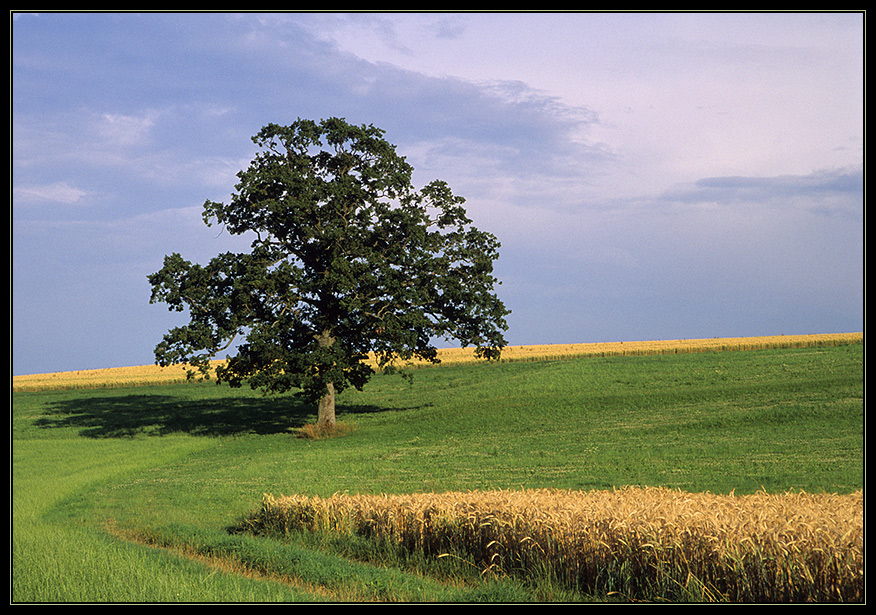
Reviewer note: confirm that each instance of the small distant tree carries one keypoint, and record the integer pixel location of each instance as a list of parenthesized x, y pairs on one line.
[(347, 258)]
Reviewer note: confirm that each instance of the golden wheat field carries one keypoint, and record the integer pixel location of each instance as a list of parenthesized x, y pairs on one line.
[(793, 547), (153, 374)]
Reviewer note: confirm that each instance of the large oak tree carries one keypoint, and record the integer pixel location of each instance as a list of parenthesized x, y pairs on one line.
[(347, 258)]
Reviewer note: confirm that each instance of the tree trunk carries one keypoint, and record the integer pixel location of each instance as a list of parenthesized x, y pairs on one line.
[(325, 417), (326, 409)]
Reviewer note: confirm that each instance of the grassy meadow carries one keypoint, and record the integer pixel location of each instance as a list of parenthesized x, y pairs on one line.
[(123, 492)]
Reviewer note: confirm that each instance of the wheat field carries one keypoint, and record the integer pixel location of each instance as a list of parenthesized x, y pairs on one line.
[(154, 374), (792, 547)]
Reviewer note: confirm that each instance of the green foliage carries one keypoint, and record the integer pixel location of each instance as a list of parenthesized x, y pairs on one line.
[(347, 258), (176, 465)]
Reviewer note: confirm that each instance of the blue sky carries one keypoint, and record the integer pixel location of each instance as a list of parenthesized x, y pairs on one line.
[(649, 175)]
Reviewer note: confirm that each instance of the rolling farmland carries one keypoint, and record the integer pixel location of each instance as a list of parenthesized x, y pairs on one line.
[(646, 471)]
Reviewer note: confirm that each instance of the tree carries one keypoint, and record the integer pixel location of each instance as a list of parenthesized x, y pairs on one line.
[(347, 258)]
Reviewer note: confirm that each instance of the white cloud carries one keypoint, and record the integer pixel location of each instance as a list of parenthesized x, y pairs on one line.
[(125, 130), (58, 192), (678, 96)]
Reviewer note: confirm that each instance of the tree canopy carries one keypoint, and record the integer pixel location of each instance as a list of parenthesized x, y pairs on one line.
[(348, 258)]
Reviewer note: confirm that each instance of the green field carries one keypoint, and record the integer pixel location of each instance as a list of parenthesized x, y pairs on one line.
[(127, 494)]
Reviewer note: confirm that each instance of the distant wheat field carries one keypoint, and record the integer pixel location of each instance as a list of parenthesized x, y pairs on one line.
[(154, 374)]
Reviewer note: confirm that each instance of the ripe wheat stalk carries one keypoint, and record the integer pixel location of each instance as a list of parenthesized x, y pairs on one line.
[(792, 547)]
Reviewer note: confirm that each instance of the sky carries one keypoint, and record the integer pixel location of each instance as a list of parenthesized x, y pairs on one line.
[(649, 175)]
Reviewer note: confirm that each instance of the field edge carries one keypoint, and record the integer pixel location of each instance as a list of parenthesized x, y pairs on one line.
[(145, 375)]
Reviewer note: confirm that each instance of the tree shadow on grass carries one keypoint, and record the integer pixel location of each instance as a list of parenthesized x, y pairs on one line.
[(126, 416)]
